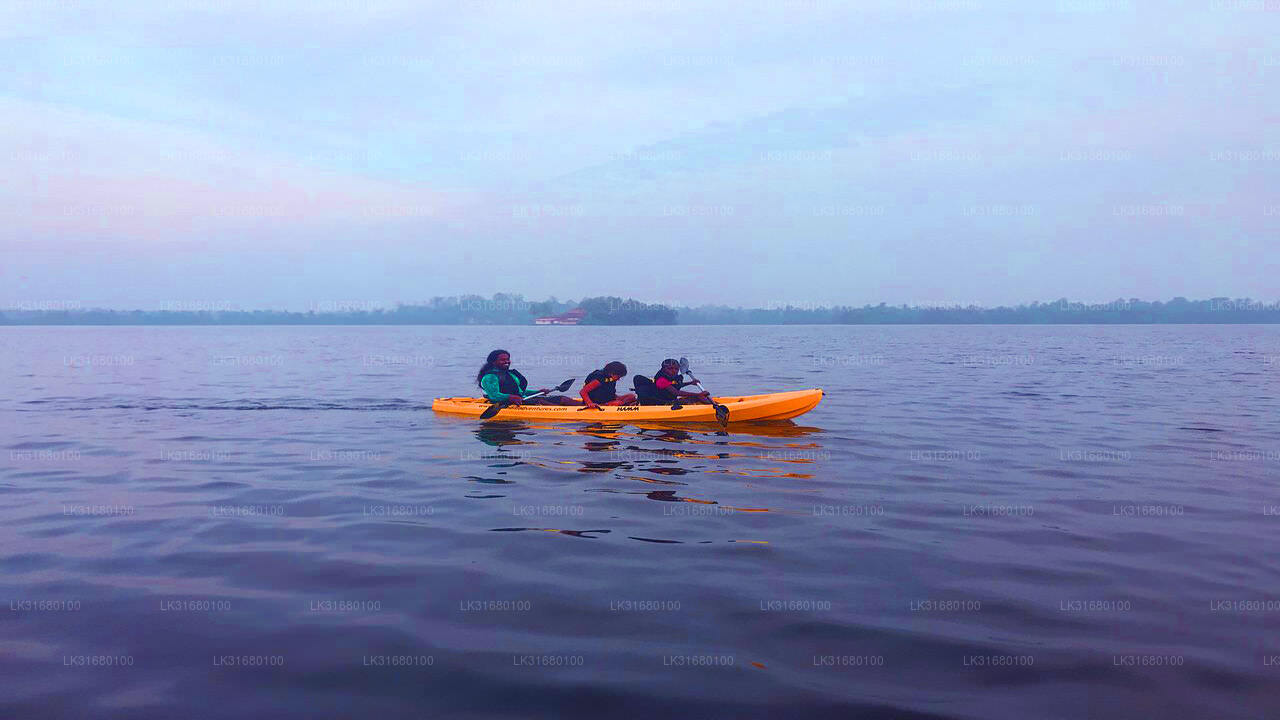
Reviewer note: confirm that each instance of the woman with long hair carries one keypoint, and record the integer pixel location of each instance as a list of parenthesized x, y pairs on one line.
[(502, 384)]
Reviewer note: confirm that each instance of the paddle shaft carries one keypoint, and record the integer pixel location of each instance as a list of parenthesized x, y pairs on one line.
[(495, 409), (722, 412), (702, 389)]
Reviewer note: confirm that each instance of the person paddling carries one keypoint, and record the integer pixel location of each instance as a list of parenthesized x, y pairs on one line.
[(665, 387), (502, 384), (600, 387)]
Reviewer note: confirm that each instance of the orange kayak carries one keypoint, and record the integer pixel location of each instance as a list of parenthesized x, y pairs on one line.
[(743, 408)]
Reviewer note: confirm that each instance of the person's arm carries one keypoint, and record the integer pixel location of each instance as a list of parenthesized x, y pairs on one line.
[(489, 383), (586, 393), (667, 383)]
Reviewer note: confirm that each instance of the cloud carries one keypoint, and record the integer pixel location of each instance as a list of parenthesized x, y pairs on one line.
[(979, 150), (81, 175)]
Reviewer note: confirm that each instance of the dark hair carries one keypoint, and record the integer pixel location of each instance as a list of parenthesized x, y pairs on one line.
[(670, 361), (615, 368), (488, 364)]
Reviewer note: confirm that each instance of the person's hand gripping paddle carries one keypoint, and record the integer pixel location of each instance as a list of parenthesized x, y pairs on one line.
[(722, 412)]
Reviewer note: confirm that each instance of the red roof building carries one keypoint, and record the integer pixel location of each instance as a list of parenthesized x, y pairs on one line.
[(573, 317)]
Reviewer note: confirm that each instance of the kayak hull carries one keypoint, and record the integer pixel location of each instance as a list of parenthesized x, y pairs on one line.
[(742, 408)]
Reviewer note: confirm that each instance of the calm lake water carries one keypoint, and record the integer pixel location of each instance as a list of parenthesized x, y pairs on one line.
[(977, 522)]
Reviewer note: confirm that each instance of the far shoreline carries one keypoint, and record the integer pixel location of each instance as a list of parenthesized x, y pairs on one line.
[(691, 325), (504, 310)]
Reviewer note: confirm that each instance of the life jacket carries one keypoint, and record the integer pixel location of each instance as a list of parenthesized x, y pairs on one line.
[(676, 383), (606, 392), (647, 393), (510, 382)]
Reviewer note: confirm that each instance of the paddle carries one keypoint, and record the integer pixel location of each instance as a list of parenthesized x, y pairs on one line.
[(722, 412), (495, 408)]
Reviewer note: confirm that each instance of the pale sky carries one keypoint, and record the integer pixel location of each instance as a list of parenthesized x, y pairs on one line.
[(752, 152)]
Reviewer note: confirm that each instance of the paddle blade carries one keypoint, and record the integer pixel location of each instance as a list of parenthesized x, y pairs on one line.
[(492, 410), (684, 365), (722, 415), (565, 385)]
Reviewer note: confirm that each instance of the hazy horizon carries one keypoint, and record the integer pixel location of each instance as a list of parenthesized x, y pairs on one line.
[(514, 302), (814, 153)]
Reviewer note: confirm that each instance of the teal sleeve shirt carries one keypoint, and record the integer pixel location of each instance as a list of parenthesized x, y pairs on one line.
[(489, 383)]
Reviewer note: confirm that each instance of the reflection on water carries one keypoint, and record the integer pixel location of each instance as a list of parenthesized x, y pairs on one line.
[(622, 458), (499, 433), (573, 533)]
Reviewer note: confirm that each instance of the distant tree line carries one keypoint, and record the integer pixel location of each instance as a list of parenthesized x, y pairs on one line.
[(500, 309), (510, 309), (617, 311), (1220, 310)]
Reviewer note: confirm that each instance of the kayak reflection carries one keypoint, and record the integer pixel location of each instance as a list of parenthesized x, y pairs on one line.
[(708, 479), (498, 434)]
